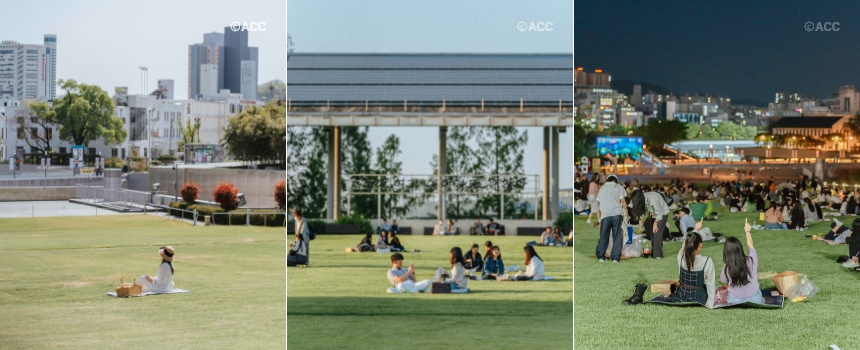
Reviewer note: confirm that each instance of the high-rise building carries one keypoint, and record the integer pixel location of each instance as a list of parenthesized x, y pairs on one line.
[(28, 71), (236, 50), (249, 79), (210, 51), (208, 79)]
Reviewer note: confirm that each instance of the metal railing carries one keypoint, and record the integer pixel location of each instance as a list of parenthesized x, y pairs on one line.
[(247, 216), (169, 212)]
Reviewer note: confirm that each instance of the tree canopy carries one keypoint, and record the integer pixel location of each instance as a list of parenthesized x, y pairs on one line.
[(85, 113), (258, 134)]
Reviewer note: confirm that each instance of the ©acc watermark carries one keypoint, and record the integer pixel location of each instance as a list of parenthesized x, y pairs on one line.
[(534, 26), (248, 26), (811, 26)]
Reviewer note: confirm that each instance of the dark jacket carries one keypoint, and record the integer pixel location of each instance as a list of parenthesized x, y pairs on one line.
[(477, 262)]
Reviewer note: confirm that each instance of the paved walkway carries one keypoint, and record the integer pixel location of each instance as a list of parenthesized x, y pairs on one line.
[(50, 208)]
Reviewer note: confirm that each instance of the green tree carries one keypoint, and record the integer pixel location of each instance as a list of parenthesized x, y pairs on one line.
[(657, 133), (693, 130), (35, 123), (306, 185), (188, 133), (854, 124), (394, 205), (357, 158), (258, 134), (85, 113), (501, 150)]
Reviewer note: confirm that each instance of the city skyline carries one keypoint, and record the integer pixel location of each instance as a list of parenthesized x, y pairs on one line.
[(103, 43), (743, 50)]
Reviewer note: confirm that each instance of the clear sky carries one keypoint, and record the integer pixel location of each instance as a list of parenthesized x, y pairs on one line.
[(104, 42), (437, 26)]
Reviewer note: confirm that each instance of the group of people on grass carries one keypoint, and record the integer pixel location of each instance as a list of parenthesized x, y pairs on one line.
[(491, 267)]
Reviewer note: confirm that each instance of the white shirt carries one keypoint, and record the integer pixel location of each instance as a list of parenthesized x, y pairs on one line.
[(535, 269), (161, 283), (700, 265), (610, 197)]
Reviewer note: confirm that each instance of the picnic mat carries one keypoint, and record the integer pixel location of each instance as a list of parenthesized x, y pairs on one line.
[(770, 301), (113, 294)]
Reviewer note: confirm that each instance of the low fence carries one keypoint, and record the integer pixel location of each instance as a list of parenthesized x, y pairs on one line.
[(248, 218), (179, 214)]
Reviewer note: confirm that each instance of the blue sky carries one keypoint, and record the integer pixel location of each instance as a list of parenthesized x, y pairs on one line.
[(443, 27), (104, 42)]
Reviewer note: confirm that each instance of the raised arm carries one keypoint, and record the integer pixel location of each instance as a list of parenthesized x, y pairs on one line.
[(749, 235)]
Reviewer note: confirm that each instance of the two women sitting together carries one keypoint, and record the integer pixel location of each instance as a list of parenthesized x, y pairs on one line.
[(386, 240), (696, 272)]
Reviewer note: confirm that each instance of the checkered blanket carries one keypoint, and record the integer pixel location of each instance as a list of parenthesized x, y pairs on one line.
[(113, 294)]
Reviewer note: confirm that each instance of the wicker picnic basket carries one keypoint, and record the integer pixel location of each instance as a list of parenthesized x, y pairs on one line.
[(128, 289)]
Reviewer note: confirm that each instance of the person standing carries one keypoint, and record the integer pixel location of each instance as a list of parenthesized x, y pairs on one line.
[(593, 190), (642, 203), (613, 209), (301, 226)]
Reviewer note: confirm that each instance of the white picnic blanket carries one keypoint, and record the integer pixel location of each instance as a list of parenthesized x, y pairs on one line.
[(174, 291)]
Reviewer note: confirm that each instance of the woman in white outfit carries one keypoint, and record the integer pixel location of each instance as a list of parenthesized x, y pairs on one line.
[(457, 278), (534, 266), (163, 280)]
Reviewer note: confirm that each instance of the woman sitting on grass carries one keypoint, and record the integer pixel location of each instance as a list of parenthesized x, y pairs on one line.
[(534, 266), (809, 213), (457, 278), (493, 264), (740, 271), (773, 218), (473, 260), (395, 243), (382, 241), (365, 244), (797, 221), (696, 274), (163, 280)]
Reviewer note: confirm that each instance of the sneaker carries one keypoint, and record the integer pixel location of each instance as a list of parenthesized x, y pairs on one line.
[(659, 257), (601, 260), (614, 261), (850, 264), (588, 221)]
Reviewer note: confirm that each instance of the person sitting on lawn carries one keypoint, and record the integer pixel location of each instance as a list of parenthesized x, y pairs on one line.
[(439, 230), (534, 266), (853, 241), (451, 230), (382, 240), (696, 274), (404, 279), (384, 227), (557, 237), (163, 280), (298, 254), (394, 227), (851, 207), (685, 220), (457, 278), (473, 259), (797, 222), (546, 236), (394, 243), (740, 271), (809, 213), (366, 244), (773, 218), (488, 247), (493, 264)]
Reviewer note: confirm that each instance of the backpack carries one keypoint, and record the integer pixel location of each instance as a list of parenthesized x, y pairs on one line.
[(667, 198), (312, 234)]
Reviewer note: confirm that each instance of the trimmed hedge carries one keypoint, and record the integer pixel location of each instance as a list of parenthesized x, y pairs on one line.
[(235, 217), (317, 225), (355, 219)]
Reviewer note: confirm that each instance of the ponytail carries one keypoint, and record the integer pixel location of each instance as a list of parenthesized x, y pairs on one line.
[(691, 243)]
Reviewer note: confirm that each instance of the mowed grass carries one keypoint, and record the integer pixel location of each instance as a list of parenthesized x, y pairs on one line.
[(602, 322), (54, 273), (340, 301)]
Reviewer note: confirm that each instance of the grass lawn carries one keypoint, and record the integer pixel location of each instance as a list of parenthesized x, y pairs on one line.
[(54, 273), (602, 322), (340, 301)]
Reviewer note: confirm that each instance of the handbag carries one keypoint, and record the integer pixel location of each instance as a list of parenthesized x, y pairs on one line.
[(128, 289), (441, 288)]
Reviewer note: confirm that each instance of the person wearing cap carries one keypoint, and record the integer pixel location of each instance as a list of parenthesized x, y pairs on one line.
[(613, 209), (163, 280)]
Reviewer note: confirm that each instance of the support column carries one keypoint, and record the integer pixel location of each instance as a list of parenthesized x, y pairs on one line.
[(329, 167), (545, 174), (337, 180), (554, 178), (442, 170)]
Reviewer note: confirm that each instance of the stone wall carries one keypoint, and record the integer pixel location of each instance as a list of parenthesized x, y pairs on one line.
[(257, 185)]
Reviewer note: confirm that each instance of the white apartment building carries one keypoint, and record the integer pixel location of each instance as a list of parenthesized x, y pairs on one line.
[(28, 71), (151, 124)]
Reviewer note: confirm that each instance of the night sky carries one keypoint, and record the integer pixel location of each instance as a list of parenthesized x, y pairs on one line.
[(743, 49)]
